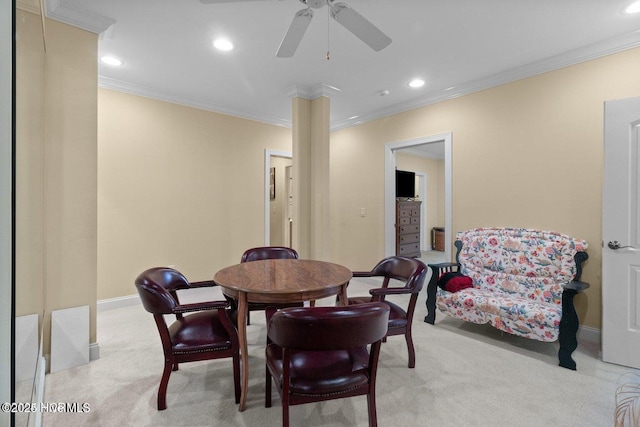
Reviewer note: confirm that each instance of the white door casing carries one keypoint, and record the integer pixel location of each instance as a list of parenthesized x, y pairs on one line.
[(267, 167), (389, 189), (621, 234)]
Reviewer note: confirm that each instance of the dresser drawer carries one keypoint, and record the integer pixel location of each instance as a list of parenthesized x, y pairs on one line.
[(404, 220), (406, 229), (409, 249), (409, 238)]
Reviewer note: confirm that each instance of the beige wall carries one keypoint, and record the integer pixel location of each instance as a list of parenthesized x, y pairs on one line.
[(30, 118), (56, 239), (180, 186), (525, 154), (176, 186)]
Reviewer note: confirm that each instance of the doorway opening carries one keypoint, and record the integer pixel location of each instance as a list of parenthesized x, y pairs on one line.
[(277, 198), (429, 143)]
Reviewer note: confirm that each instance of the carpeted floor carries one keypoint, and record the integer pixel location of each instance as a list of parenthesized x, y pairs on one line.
[(465, 375)]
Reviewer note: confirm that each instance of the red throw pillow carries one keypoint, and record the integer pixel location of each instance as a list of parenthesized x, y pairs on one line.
[(458, 283), (454, 282)]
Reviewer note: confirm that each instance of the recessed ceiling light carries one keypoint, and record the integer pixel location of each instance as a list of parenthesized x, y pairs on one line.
[(112, 60), (223, 44), (633, 7), (416, 83)]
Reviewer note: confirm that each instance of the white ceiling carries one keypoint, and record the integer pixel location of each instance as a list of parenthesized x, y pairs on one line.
[(456, 46)]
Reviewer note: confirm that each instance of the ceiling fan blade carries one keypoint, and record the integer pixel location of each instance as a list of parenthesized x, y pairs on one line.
[(359, 26), (295, 33)]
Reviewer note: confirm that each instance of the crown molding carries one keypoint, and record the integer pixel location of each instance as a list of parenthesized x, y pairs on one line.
[(311, 93), (61, 11), (147, 92), (32, 6), (573, 57)]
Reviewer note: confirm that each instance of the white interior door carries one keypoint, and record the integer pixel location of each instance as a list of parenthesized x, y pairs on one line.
[(621, 234)]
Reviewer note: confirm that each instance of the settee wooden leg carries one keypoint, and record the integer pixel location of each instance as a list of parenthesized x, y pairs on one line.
[(568, 329), (431, 299)]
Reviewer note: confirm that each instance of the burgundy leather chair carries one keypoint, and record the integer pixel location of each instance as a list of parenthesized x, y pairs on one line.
[(320, 353), (260, 253), (206, 334), (412, 273), (268, 252)]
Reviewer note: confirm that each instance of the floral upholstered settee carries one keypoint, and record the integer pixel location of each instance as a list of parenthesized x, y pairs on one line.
[(523, 283)]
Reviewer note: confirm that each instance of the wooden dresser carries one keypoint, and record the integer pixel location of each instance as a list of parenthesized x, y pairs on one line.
[(408, 228)]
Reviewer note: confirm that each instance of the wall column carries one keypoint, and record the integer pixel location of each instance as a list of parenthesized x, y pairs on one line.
[(310, 148), (320, 178), (301, 171)]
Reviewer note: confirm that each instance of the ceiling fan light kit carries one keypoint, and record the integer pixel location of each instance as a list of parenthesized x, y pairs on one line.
[(341, 12)]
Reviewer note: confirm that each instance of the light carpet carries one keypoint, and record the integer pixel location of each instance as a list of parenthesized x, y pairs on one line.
[(465, 375)]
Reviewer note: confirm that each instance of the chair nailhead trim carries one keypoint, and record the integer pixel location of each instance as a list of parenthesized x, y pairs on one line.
[(201, 351), (335, 393)]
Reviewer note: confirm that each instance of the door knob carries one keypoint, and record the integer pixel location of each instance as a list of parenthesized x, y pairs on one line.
[(615, 245)]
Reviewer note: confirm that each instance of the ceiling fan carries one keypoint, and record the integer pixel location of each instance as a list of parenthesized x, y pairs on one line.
[(341, 12)]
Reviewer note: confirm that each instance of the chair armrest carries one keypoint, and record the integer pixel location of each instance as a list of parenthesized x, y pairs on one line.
[(200, 306), (442, 265), (576, 285), (389, 291), (202, 284)]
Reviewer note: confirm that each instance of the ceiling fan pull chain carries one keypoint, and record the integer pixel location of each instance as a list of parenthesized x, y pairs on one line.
[(328, 38)]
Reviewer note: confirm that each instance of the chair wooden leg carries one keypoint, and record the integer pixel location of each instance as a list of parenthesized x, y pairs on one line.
[(410, 348), (162, 390), (267, 391), (285, 411), (371, 405)]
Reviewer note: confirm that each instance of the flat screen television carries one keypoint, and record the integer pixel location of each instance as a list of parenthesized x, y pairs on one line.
[(405, 184)]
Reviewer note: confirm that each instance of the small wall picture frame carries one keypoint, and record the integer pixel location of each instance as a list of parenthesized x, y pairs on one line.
[(272, 183)]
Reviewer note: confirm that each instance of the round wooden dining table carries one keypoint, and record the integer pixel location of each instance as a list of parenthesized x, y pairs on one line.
[(277, 281)]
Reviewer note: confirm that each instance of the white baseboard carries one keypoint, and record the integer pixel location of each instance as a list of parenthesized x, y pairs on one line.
[(590, 334), (584, 332), (119, 302), (94, 351), (69, 338), (39, 390), (94, 354)]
